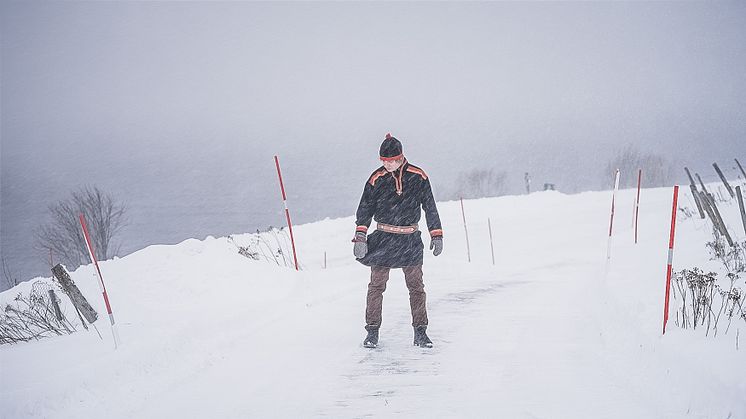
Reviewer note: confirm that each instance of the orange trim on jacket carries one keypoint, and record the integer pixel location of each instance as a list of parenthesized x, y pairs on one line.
[(418, 171), (375, 177)]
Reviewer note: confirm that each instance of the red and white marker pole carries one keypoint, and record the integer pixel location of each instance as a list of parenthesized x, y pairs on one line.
[(287, 211), (670, 256), (611, 221), (463, 215), (101, 284), (637, 201)]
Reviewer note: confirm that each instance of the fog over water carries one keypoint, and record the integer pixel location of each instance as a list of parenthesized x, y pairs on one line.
[(177, 108)]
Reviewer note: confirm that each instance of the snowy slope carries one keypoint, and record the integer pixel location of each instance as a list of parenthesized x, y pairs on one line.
[(549, 331)]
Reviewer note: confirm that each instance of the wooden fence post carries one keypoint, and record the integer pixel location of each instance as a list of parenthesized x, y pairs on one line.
[(74, 293), (56, 305), (704, 188), (740, 207), (717, 220), (689, 175), (722, 177), (697, 201), (695, 195)]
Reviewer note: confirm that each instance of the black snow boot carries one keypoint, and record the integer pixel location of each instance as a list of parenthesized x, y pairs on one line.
[(371, 341), (420, 337)]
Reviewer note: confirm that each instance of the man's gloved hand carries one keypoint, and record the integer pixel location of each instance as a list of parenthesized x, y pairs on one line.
[(361, 244), (436, 245)]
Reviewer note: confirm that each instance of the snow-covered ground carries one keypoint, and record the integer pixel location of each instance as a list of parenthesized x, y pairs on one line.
[(549, 331)]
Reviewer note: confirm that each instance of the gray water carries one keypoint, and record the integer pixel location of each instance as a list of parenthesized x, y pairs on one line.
[(178, 198), (187, 193), (168, 209)]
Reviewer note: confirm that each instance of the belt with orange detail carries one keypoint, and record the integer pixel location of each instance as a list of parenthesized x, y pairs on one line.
[(397, 229)]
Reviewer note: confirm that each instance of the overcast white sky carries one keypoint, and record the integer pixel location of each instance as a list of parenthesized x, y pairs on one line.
[(175, 100)]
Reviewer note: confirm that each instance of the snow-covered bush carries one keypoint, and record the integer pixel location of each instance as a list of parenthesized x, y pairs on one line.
[(271, 245), (707, 298), (33, 316)]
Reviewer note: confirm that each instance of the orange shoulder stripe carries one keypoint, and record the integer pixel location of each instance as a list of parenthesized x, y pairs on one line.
[(417, 171), (375, 177)]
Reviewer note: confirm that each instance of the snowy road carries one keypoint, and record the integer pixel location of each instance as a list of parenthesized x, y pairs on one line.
[(548, 332), (512, 347)]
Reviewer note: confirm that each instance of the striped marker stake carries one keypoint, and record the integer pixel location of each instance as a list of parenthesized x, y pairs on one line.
[(611, 222), (287, 212), (670, 256), (637, 201), (101, 284), (492, 247), (463, 215)]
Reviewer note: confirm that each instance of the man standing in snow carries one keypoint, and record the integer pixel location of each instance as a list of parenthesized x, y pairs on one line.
[(394, 195)]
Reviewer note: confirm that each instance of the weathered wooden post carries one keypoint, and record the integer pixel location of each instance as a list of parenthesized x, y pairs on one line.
[(717, 220), (722, 177), (689, 175), (740, 207), (697, 201), (695, 195), (56, 305), (74, 293), (708, 209), (704, 188)]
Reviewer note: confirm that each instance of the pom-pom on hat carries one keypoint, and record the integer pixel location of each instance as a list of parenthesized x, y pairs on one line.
[(391, 149)]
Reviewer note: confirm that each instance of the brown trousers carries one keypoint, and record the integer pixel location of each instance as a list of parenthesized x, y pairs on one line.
[(378, 278)]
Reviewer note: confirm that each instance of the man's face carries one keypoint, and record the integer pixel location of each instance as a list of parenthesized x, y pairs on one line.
[(391, 165)]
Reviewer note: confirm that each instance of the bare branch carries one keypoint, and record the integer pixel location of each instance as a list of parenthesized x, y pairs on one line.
[(656, 171), (479, 183), (63, 236)]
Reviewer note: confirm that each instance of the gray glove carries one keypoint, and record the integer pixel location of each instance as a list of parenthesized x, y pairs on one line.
[(436, 245), (361, 244)]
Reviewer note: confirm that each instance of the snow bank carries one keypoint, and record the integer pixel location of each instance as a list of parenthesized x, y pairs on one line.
[(550, 331)]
